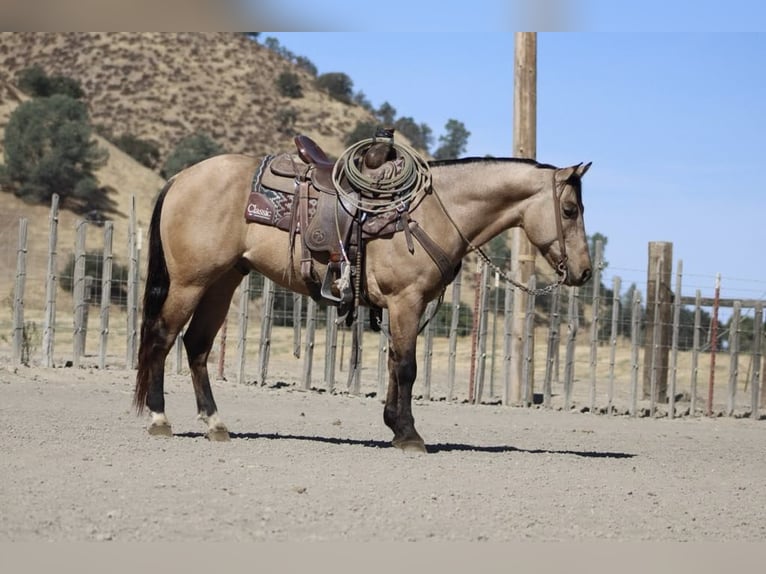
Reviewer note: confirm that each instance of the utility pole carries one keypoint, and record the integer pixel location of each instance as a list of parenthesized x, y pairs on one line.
[(522, 251)]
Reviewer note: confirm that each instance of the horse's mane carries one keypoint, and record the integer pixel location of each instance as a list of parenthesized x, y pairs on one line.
[(465, 160)]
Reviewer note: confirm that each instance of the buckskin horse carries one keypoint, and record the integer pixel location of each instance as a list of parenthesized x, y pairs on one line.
[(201, 246)]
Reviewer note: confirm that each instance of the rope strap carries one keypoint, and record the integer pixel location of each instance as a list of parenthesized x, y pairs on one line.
[(386, 193)]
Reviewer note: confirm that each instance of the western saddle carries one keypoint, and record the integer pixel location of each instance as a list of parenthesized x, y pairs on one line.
[(300, 195)]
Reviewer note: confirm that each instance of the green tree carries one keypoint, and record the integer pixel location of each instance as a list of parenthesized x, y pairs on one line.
[(289, 85), (420, 135), (386, 113), (453, 141), (49, 149), (190, 150), (304, 63), (35, 82), (338, 85), (145, 152)]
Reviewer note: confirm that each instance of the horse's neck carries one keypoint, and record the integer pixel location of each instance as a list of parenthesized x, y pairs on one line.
[(483, 199)]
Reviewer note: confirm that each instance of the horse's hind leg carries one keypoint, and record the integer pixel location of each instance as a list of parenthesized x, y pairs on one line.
[(198, 340), (157, 337)]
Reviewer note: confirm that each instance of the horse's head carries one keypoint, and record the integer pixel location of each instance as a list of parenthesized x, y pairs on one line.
[(554, 223)]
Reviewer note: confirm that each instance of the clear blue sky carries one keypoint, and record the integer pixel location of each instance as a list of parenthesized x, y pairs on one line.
[(673, 122)]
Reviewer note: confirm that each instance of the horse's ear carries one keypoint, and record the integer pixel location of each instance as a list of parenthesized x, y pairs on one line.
[(581, 169)]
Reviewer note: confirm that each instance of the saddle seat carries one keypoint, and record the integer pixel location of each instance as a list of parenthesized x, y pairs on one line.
[(310, 152)]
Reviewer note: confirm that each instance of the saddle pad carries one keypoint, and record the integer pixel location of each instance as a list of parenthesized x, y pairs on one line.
[(271, 206)]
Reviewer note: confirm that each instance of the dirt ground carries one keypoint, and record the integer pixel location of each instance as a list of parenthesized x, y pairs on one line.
[(78, 465)]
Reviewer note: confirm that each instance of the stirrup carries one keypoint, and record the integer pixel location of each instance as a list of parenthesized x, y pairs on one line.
[(345, 295)]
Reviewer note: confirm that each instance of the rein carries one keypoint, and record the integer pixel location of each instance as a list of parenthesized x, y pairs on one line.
[(561, 266)]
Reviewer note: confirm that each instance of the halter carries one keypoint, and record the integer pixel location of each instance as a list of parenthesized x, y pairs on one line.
[(561, 266)]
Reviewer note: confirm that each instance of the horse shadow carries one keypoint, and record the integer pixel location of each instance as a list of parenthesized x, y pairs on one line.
[(431, 448)]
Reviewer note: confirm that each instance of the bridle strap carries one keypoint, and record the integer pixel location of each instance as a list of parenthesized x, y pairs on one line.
[(562, 264)]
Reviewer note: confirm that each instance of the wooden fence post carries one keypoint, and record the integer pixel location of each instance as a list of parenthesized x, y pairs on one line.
[(19, 342), (733, 358), (331, 348), (221, 374), (657, 340), (493, 344), (132, 318), (355, 357), (49, 325), (482, 291), (674, 344), (508, 346), (574, 325), (656, 358), (244, 315), (553, 344), (616, 284), (695, 351), (713, 345), (78, 292), (755, 387), (297, 312), (454, 324), (635, 342), (308, 355), (594, 325), (383, 358), (106, 292), (428, 351), (267, 314), (528, 372), (475, 328)]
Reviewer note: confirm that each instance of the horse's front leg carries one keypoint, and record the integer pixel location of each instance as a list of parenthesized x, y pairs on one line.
[(402, 369)]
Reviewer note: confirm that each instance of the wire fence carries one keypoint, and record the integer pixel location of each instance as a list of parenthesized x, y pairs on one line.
[(599, 348)]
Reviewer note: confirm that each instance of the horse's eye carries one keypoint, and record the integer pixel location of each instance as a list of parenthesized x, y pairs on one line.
[(569, 210)]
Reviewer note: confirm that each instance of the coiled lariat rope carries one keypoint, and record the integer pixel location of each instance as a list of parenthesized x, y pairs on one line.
[(382, 193)]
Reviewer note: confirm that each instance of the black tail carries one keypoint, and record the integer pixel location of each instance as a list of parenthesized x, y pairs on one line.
[(155, 293)]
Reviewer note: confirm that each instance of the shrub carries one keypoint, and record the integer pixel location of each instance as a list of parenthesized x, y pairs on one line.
[(289, 85), (338, 85), (286, 118), (35, 82), (145, 152)]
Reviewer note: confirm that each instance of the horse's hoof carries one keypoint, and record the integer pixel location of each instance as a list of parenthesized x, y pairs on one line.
[(160, 430), (410, 445), (218, 435)]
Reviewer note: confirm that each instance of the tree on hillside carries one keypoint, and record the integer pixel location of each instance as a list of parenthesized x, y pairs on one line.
[(386, 113), (453, 142), (190, 150), (36, 83), (49, 149), (145, 152), (419, 134), (338, 85), (289, 85)]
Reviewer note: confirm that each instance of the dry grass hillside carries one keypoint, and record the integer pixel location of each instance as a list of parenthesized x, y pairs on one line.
[(160, 87), (164, 86)]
